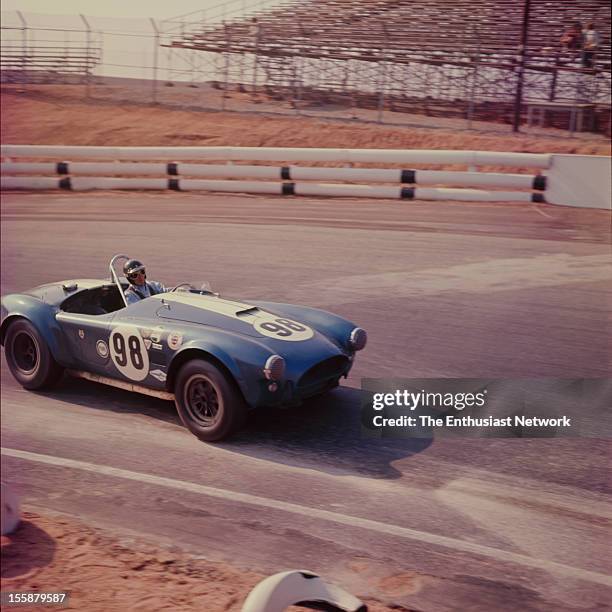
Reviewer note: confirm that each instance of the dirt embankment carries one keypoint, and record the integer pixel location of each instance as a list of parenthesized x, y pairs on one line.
[(103, 572), (59, 115)]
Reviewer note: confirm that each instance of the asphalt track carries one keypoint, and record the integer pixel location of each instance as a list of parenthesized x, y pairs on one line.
[(444, 290)]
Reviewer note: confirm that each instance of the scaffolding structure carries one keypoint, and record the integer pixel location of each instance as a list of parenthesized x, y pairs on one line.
[(460, 58)]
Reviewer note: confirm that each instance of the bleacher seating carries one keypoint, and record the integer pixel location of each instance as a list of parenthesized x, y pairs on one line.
[(48, 63), (428, 50), (353, 29)]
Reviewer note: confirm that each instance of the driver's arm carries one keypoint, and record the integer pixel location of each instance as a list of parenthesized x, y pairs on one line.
[(159, 288), (131, 297)]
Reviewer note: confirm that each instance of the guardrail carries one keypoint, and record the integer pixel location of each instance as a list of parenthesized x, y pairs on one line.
[(574, 180)]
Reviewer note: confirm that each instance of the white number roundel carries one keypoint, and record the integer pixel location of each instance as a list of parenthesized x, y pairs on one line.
[(282, 328), (129, 353)]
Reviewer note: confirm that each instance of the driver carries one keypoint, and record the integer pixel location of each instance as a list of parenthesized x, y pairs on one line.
[(139, 287)]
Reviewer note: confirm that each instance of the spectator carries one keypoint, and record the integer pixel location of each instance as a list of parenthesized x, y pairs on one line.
[(254, 30), (572, 37), (590, 45)]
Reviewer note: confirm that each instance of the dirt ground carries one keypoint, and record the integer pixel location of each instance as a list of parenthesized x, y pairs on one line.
[(103, 571)]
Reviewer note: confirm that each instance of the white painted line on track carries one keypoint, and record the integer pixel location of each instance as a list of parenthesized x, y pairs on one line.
[(541, 212), (324, 515)]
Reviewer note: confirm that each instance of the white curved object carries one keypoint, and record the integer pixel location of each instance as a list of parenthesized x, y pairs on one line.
[(10, 509), (581, 180), (297, 173), (570, 180), (275, 188), (276, 593), (396, 156)]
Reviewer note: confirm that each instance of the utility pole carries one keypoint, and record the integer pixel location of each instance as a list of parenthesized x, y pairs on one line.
[(88, 65), (522, 52), (155, 54), (24, 47)]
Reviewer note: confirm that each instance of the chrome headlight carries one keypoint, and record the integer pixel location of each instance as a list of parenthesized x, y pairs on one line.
[(274, 368), (358, 339)]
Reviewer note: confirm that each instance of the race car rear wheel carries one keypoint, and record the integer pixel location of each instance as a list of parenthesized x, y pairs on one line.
[(29, 358), (209, 404)]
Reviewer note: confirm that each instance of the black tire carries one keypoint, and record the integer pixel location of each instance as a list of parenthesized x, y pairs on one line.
[(29, 358), (209, 404)]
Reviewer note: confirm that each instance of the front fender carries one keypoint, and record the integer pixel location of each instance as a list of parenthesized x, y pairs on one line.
[(42, 316), (247, 371)]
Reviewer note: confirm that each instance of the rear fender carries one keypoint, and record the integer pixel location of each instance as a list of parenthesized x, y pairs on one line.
[(42, 316)]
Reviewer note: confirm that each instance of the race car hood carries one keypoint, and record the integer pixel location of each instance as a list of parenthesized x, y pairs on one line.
[(229, 315)]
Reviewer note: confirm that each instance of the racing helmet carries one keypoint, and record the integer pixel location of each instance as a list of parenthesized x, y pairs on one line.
[(131, 266)]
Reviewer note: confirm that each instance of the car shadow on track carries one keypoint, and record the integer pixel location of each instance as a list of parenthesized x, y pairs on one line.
[(95, 396), (323, 434)]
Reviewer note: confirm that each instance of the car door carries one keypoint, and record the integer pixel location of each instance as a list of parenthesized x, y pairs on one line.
[(88, 337), (139, 349)]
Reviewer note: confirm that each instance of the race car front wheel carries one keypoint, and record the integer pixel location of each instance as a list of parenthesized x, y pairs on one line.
[(209, 404), (29, 358)]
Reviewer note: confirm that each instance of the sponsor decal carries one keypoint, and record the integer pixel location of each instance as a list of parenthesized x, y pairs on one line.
[(129, 353), (175, 340), (157, 347), (147, 343), (159, 374), (81, 334), (102, 349)]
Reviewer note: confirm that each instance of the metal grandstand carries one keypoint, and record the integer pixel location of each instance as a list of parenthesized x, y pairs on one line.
[(466, 58), (49, 55)]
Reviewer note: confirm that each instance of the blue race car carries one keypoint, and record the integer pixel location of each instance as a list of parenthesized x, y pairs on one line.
[(215, 358)]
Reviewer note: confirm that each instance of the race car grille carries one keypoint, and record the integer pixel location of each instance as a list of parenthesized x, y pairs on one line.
[(322, 372)]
